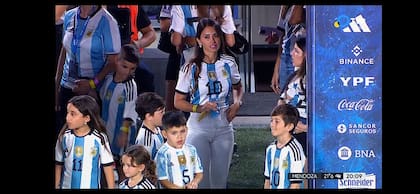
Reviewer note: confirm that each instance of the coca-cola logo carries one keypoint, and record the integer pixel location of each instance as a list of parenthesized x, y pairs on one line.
[(362, 104)]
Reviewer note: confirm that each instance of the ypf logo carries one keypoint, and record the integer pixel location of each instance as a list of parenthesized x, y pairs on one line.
[(347, 24)]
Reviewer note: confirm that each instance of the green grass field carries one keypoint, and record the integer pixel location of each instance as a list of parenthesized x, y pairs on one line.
[(247, 169)]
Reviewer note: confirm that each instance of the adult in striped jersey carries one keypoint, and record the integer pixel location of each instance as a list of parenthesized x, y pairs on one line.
[(119, 94), (91, 42), (285, 155), (150, 107), (139, 169), (211, 80), (178, 163), (83, 147)]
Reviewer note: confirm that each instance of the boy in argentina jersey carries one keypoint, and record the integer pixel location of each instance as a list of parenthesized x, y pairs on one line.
[(150, 107), (285, 155), (178, 164), (119, 95)]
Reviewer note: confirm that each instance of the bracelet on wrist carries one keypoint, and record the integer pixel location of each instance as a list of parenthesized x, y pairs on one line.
[(92, 84), (124, 129), (194, 107), (96, 81)]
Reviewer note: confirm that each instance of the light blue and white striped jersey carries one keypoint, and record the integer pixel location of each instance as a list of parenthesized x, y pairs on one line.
[(181, 13), (150, 140), (280, 162), (118, 104), (213, 85), (100, 37), (294, 94), (178, 166), (82, 158), (143, 184)]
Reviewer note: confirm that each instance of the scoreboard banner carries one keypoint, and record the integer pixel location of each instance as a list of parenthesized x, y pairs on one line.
[(345, 95)]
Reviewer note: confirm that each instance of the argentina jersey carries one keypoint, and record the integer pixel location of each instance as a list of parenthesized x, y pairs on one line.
[(295, 95), (150, 140), (143, 184), (118, 104), (226, 73), (178, 166), (99, 37), (279, 162), (82, 158), (181, 14)]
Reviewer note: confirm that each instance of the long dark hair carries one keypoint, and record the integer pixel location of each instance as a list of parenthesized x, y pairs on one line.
[(87, 105), (301, 43), (301, 72), (139, 155), (204, 22)]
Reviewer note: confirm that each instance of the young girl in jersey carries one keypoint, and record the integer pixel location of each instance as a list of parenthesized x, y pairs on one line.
[(212, 79), (139, 169), (83, 147), (285, 155), (150, 107), (178, 164)]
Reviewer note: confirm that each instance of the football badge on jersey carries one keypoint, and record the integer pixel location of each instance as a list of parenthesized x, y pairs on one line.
[(89, 34), (78, 151), (182, 160), (120, 100), (212, 75), (93, 151), (285, 164), (225, 74)]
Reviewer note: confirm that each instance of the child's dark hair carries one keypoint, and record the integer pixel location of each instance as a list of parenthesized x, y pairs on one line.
[(139, 155), (148, 102), (173, 119), (87, 105), (288, 112), (130, 53)]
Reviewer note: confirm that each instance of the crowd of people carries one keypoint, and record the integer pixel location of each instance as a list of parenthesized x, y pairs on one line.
[(113, 135)]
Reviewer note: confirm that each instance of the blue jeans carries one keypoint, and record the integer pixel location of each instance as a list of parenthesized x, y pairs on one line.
[(286, 68)]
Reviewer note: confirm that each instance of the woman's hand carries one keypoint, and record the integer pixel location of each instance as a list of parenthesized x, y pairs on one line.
[(205, 109), (82, 87), (232, 111), (275, 83)]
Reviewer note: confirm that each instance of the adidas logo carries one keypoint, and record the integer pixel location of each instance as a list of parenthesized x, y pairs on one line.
[(357, 24)]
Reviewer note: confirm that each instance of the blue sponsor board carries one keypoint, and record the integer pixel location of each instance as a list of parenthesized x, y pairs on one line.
[(345, 95)]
